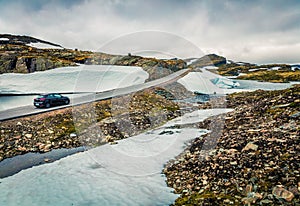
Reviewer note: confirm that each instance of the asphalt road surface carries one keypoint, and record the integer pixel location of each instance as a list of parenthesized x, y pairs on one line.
[(90, 97)]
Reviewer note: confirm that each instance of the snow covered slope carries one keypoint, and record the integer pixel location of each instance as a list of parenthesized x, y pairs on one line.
[(206, 82)]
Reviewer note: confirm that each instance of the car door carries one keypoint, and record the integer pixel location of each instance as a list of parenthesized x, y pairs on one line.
[(52, 99), (58, 99)]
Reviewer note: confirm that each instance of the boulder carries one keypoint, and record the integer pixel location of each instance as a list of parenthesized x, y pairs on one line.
[(280, 193)]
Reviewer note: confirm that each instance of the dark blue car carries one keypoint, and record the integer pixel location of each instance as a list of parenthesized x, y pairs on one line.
[(49, 100)]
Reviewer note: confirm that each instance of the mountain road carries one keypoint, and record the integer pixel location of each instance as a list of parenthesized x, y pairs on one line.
[(93, 96)]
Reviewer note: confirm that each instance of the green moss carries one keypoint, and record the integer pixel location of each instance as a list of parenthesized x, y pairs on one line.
[(295, 104)]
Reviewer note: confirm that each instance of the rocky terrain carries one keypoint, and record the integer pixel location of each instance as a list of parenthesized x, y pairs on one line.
[(208, 60), (87, 125), (247, 71), (255, 156), (16, 56), (265, 72)]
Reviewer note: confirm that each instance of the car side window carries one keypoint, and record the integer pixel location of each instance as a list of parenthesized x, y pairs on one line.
[(57, 95)]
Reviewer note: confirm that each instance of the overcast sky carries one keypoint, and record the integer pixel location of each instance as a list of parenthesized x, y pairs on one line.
[(253, 31)]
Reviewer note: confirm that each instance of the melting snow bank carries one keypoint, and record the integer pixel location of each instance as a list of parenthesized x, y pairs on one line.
[(206, 82), (128, 173), (84, 78)]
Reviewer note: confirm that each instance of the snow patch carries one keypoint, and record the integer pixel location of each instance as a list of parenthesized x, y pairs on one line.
[(191, 62), (253, 70), (84, 78), (229, 61), (196, 116), (241, 74), (274, 68), (206, 82), (210, 67), (4, 39), (40, 45)]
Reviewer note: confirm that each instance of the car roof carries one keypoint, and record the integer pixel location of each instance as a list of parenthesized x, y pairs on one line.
[(45, 94)]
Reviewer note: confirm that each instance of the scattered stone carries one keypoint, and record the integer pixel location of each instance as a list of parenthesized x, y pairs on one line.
[(280, 193), (250, 146), (47, 147), (266, 201), (73, 135), (28, 135), (257, 150), (22, 149), (227, 201), (249, 188), (234, 163), (252, 196), (295, 115), (166, 132), (47, 160)]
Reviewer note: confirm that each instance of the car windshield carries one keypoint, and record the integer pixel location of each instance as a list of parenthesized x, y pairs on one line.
[(41, 96)]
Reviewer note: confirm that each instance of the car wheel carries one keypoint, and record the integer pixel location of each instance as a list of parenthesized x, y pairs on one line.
[(67, 101), (47, 105)]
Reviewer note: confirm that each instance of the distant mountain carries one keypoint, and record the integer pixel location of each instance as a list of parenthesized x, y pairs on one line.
[(24, 40)]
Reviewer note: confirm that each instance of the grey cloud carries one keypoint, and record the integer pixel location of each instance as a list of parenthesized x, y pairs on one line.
[(257, 31)]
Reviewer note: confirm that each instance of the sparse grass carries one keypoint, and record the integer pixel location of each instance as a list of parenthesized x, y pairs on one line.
[(272, 76)]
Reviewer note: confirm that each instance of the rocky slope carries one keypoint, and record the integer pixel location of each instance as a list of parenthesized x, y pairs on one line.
[(16, 56), (209, 60), (89, 124), (256, 159)]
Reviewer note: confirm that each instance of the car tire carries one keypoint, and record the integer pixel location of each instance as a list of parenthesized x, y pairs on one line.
[(47, 105), (67, 101)]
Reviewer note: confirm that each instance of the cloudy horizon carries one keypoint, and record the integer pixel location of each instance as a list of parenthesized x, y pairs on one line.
[(252, 31)]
